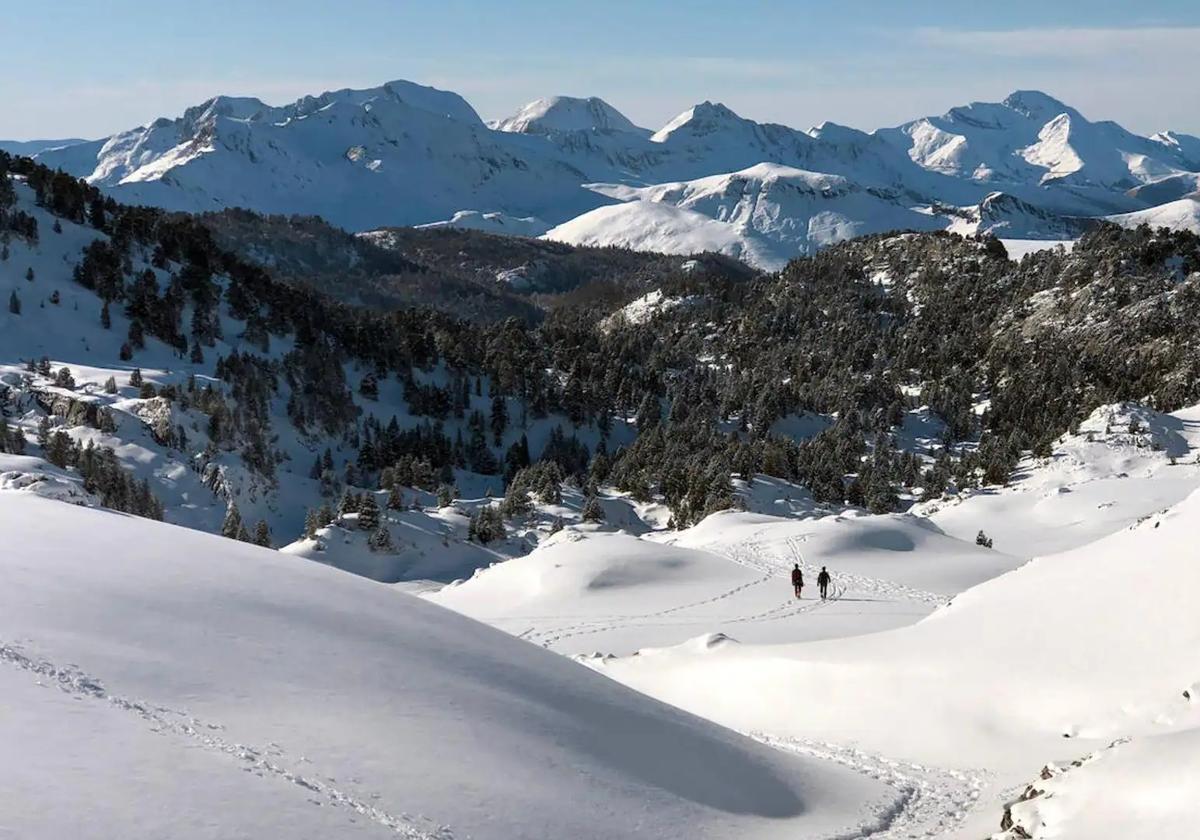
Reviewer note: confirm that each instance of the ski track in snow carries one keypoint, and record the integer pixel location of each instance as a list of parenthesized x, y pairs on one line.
[(262, 762), (930, 802)]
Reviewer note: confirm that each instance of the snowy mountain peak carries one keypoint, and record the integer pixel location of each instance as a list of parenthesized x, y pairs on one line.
[(240, 108), (234, 107), (704, 118), (568, 113), (1036, 105), (440, 103)]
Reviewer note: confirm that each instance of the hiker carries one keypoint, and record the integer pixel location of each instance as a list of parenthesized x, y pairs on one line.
[(823, 582), (797, 579)]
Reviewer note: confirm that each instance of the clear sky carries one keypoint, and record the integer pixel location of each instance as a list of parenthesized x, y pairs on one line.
[(89, 68)]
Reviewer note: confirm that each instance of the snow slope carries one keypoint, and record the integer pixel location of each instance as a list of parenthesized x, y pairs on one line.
[(1095, 483), (189, 686), (656, 226), (1183, 214), (1105, 653)]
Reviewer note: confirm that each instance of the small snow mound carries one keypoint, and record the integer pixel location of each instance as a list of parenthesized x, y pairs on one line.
[(709, 641)]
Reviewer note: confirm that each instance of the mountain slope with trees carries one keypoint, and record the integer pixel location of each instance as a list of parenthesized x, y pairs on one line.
[(281, 398)]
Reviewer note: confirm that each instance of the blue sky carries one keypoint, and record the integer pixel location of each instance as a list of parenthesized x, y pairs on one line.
[(87, 69)]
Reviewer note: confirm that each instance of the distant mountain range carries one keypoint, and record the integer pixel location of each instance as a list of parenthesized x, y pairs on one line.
[(579, 171)]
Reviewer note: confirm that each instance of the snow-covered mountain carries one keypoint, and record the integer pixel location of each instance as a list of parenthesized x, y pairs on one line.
[(405, 154), (397, 154), (765, 215), (559, 114)]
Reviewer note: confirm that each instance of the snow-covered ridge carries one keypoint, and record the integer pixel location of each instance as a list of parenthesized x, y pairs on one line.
[(410, 154)]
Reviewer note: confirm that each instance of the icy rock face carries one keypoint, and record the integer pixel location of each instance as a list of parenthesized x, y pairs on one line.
[(157, 414), (74, 411)]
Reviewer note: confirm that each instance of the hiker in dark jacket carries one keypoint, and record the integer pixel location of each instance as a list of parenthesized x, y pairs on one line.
[(823, 582), (797, 579)]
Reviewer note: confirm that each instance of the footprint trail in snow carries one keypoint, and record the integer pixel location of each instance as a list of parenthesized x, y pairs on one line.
[(266, 762)]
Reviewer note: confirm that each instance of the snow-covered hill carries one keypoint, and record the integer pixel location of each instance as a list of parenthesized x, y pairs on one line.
[(187, 686), (770, 213), (409, 154), (1183, 214)]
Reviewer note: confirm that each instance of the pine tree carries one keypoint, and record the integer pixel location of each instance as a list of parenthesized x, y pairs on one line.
[(105, 316), (368, 513), (516, 503), (137, 335), (64, 379), (395, 499), (380, 540), (110, 385), (649, 413), (135, 378), (487, 525), (14, 303), (982, 539), (311, 524), (499, 419), (369, 387), (232, 527), (262, 534), (58, 449), (592, 510), (445, 495)]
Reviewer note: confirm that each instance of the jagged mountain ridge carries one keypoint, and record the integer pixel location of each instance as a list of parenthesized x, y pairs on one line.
[(405, 154)]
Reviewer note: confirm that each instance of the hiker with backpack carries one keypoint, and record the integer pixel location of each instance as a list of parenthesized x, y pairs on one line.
[(797, 579)]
